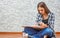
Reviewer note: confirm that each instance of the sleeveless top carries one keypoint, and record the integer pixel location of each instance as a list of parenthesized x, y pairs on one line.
[(45, 21)]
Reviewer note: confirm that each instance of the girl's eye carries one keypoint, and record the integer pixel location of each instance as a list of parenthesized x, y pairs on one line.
[(41, 10)]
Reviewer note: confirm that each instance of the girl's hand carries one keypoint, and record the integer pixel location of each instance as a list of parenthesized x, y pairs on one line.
[(43, 25)]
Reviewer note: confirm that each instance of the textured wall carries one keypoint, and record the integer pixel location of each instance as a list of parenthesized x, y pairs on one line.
[(15, 13)]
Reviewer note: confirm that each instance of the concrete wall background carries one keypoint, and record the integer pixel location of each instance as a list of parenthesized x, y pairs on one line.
[(15, 13)]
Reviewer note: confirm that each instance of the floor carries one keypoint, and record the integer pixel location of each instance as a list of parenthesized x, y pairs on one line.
[(57, 35), (10, 36), (17, 36)]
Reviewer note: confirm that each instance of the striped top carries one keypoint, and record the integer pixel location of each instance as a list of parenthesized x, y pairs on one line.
[(51, 19)]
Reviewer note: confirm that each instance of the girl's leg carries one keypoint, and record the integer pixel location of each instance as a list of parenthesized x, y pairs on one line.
[(30, 31), (46, 31)]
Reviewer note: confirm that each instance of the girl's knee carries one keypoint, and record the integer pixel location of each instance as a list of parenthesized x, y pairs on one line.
[(48, 30)]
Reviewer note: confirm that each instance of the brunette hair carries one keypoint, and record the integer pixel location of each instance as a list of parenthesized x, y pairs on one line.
[(42, 4)]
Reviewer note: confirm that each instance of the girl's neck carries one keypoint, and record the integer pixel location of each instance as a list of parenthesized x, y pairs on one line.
[(45, 14)]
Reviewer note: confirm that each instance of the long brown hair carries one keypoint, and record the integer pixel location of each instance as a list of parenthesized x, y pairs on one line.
[(42, 4)]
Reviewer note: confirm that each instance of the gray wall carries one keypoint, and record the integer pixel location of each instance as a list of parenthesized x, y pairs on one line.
[(15, 13)]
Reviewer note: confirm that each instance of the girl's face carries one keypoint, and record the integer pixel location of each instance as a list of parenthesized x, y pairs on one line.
[(41, 10)]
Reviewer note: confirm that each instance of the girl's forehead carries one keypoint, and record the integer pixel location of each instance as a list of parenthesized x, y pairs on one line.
[(41, 8)]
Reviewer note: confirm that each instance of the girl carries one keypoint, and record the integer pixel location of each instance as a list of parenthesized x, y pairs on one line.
[(45, 23)]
